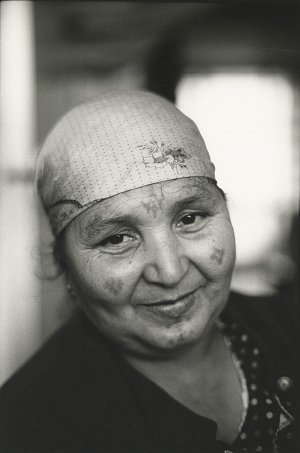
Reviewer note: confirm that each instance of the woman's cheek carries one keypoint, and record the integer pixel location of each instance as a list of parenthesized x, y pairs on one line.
[(223, 252), (112, 280), (217, 253), (113, 286)]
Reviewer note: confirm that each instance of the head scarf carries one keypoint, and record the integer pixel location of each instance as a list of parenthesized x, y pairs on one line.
[(112, 144)]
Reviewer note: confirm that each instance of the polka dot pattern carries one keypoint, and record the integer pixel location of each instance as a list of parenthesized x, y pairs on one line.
[(262, 421)]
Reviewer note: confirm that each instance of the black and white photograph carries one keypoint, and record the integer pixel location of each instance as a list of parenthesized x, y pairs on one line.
[(149, 227)]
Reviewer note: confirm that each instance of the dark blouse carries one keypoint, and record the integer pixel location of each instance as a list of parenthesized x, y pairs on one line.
[(265, 416), (78, 395)]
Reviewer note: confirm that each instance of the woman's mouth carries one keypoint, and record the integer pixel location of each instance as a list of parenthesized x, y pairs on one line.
[(171, 309)]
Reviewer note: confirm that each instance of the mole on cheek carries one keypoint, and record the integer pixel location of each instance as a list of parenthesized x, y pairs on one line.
[(113, 285), (217, 255)]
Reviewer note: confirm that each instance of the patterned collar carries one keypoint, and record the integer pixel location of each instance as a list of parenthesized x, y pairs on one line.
[(266, 425)]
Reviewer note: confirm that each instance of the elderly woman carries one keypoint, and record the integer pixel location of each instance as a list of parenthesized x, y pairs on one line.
[(160, 358)]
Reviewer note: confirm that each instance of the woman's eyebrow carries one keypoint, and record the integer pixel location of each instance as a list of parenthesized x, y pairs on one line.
[(204, 199), (97, 225)]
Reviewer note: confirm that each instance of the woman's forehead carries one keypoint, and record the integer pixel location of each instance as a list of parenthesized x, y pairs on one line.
[(150, 199)]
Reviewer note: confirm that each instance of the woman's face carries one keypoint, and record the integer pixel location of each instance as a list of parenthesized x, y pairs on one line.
[(152, 266)]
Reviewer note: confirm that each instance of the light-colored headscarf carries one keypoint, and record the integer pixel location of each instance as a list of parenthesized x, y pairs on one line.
[(114, 143)]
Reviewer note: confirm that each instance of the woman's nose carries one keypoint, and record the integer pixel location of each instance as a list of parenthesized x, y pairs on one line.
[(166, 262)]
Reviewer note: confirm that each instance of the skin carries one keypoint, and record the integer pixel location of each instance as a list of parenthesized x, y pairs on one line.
[(131, 257), (150, 245)]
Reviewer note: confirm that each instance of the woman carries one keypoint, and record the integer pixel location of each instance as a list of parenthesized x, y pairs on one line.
[(161, 358)]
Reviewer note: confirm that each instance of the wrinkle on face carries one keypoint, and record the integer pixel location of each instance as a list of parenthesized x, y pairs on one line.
[(201, 187), (200, 183)]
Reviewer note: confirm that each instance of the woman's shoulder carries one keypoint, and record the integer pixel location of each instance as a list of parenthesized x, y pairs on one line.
[(71, 344), (272, 314), (273, 323), (61, 361), (39, 399)]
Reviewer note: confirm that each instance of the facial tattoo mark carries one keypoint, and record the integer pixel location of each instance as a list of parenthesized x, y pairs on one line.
[(217, 255), (202, 184), (154, 206), (113, 285)]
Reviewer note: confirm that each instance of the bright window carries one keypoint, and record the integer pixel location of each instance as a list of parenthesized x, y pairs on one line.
[(246, 120)]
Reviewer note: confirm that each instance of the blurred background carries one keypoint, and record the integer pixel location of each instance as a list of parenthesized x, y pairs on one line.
[(232, 67)]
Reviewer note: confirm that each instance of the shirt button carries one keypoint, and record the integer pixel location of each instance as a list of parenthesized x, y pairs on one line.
[(284, 383)]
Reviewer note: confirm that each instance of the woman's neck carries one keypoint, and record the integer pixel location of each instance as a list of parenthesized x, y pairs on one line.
[(202, 378), (188, 364)]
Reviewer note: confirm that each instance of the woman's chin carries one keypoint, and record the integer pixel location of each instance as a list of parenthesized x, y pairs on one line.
[(159, 342)]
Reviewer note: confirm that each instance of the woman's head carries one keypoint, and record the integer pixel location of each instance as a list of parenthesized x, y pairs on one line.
[(114, 143), (151, 264)]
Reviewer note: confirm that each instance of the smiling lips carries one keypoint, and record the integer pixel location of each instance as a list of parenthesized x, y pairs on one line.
[(171, 308), (170, 301)]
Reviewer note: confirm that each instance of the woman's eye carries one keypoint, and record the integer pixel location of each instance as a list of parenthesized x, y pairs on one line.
[(188, 219), (117, 239), (192, 220)]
